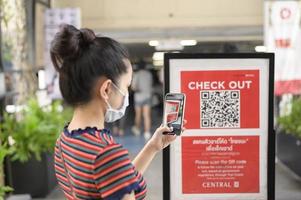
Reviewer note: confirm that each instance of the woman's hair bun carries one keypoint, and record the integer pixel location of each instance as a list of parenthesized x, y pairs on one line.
[(69, 43), (88, 35)]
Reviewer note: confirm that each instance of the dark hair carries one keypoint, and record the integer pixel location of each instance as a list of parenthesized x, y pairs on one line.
[(141, 64), (81, 58)]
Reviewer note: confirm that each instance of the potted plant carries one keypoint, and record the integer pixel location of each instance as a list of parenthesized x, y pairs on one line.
[(3, 188), (289, 137), (31, 136)]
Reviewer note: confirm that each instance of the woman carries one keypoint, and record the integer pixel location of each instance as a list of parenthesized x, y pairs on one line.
[(94, 76)]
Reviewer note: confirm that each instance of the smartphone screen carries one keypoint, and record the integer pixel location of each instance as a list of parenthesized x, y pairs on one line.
[(174, 105)]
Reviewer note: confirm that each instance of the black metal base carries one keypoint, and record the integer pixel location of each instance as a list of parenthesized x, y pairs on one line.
[(36, 178), (289, 151)]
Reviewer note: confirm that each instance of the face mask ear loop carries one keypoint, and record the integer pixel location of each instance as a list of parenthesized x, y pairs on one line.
[(108, 105), (119, 90), (107, 102)]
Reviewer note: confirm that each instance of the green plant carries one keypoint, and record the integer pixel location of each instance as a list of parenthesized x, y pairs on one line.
[(34, 130), (4, 151), (291, 123), (4, 190)]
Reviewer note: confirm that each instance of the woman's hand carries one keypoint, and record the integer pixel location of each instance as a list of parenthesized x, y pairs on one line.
[(155, 144), (159, 141)]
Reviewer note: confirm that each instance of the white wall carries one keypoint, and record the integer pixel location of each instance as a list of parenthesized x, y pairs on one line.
[(127, 14)]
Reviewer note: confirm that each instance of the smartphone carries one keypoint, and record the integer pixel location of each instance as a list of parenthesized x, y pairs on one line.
[(174, 107)]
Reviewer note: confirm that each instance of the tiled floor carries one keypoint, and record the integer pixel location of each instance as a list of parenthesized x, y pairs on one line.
[(288, 185)]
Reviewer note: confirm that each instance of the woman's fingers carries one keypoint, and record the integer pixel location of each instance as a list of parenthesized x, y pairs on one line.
[(171, 138), (163, 129), (184, 123), (183, 129), (168, 139)]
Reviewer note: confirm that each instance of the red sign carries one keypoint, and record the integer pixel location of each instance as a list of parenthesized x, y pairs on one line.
[(221, 99), (220, 164)]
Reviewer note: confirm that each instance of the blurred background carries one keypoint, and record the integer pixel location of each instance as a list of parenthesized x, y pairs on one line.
[(32, 113)]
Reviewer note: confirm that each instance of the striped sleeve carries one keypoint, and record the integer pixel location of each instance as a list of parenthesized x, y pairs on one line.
[(114, 174), (140, 194)]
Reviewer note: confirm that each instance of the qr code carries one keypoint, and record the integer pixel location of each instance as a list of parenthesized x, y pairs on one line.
[(220, 109)]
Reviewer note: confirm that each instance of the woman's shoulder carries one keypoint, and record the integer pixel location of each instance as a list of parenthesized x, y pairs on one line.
[(91, 138)]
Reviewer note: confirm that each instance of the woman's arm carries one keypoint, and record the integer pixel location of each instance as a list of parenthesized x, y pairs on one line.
[(155, 144), (144, 158)]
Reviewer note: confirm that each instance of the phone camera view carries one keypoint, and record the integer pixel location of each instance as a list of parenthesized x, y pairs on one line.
[(174, 114)]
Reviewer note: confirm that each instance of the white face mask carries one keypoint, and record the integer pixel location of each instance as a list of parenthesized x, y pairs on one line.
[(112, 114)]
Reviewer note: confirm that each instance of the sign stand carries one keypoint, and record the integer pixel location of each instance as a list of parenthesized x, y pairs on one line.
[(228, 149)]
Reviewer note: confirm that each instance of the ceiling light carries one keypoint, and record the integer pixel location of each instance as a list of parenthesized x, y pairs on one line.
[(158, 56), (261, 49), (153, 43), (188, 42)]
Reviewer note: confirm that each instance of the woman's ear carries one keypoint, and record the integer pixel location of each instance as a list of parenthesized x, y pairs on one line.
[(105, 89)]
